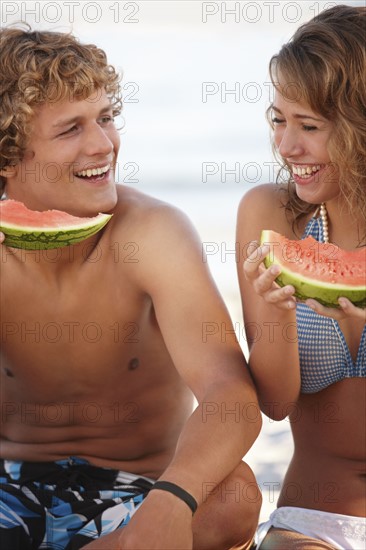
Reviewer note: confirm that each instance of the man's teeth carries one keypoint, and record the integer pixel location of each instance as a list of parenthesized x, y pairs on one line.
[(93, 172), (305, 171)]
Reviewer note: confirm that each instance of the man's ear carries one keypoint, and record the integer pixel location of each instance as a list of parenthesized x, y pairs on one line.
[(8, 171)]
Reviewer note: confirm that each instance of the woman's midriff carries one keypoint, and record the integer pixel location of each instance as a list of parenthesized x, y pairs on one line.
[(327, 470)]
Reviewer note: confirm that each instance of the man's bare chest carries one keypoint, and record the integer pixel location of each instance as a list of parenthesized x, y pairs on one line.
[(71, 328)]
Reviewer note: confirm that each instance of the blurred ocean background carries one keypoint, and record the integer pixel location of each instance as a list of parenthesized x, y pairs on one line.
[(196, 87)]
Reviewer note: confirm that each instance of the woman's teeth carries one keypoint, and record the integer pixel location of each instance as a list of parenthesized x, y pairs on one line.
[(305, 171)]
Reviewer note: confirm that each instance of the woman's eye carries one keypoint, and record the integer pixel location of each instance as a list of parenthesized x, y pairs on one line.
[(277, 120), (309, 128)]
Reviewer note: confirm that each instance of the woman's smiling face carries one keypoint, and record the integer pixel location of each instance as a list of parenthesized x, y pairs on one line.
[(301, 138)]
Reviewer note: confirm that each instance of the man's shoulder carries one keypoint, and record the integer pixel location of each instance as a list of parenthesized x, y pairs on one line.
[(126, 193), (142, 212), (134, 201), (158, 233)]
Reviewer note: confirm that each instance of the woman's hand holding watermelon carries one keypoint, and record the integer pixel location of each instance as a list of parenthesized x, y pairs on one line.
[(264, 283), (263, 280), (346, 309)]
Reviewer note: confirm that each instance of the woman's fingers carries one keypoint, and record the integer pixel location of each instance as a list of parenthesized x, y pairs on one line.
[(346, 309), (283, 297), (264, 280), (252, 264)]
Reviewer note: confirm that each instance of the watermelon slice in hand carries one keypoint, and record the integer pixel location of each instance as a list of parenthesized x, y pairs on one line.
[(321, 271), (32, 230)]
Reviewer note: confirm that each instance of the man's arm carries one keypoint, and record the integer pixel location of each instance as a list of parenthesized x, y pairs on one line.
[(199, 335), (200, 339)]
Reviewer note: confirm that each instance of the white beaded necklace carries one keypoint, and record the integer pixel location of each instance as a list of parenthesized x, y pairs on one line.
[(324, 217)]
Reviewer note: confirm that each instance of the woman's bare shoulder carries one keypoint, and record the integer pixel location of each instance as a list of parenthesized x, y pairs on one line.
[(263, 207), (268, 195)]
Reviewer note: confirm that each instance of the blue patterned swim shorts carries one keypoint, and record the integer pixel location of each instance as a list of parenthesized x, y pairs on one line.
[(64, 505)]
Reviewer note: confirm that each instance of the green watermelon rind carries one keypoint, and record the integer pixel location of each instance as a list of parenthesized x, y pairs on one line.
[(306, 287), (49, 238)]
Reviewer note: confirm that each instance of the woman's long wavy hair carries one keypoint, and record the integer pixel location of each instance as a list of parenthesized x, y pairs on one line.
[(42, 67), (324, 66)]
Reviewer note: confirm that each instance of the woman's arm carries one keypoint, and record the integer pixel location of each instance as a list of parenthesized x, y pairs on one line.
[(269, 311)]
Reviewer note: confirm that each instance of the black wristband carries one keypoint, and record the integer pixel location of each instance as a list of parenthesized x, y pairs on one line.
[(178, 492)]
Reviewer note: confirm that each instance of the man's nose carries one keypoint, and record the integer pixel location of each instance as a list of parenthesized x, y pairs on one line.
[(97, 141)]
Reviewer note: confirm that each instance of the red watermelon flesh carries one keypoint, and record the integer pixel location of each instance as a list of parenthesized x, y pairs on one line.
[(322, 271), (31, 229)]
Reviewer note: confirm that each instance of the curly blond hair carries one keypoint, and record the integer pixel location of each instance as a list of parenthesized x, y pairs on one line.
[(39, 67), (324, 65)]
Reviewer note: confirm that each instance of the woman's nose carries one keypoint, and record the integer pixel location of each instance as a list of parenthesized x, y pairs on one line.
[(289, 143)]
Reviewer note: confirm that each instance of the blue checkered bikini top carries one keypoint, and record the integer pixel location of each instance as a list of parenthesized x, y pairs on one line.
[(324, 354)]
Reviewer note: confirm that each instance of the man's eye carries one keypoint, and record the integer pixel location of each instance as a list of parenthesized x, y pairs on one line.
[(106, 118), (69, 130)]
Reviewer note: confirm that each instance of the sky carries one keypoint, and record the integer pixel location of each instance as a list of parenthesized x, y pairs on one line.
[(195, 80)]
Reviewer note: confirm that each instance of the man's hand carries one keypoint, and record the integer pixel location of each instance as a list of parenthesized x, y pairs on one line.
[(163, 522)]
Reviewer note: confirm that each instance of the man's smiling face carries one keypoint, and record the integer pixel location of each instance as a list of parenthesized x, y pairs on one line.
[(70, 159)]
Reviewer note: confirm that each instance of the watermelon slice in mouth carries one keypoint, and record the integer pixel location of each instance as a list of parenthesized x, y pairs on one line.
[(33, 230), (321, 271)]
